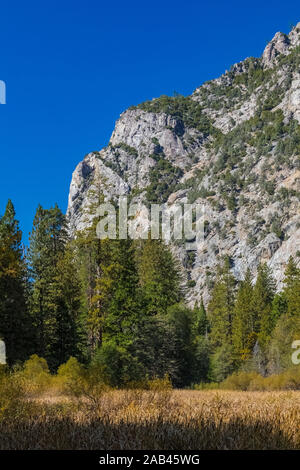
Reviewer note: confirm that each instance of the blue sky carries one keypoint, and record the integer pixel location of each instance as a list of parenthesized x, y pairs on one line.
[(71, 68)]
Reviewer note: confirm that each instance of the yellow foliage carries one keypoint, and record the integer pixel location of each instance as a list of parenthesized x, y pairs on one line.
[(36, 376), (160, 384), (288, 380), (239, 380)]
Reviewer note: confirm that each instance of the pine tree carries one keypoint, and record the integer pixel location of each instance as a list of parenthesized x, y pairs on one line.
[(112, 297), (263, 294), (201, 324), (200, 363), (222, 363), (286, 320), (243, 328), (291, 275), (96, 273), (280, 349), (67, 301), (199, 345), (125, 301), (180, 318), (292, 288), (15, 324), (279, 307), (155, 347), (220, 307), (160, 276), (52, 303)]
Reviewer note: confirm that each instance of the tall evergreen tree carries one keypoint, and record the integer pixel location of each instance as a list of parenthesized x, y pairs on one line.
[(15, 324), (125, 306), (220, 307), (243, 328), (292, 288), (279, 307), (96, 270), (160, 276), (112, 294), (180, 317), (263, 294), (67, 339), (52, 303), (201, 323), (155, 347), (199, 345)]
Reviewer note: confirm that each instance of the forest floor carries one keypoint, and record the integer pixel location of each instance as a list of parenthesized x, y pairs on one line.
[(164, 420)]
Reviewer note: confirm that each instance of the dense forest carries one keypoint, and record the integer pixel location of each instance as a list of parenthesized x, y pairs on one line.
[(121, 304)]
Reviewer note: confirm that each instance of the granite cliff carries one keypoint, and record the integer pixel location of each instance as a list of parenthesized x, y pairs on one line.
[(233, 146)]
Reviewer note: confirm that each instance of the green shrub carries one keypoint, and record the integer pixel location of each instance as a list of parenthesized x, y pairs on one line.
[(68, 375), (158, 384), (239, 380), (11, 394), (35, 374), (115, 365), (252, 381), (206, 386)]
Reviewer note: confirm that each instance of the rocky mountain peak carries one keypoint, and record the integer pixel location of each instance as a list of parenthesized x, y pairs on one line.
[(294, 35), (280, 44)]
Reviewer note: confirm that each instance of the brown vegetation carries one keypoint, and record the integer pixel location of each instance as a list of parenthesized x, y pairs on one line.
[(151, 419), (75, 409)]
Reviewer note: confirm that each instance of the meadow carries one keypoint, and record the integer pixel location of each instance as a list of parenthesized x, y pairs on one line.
[(158, 418)]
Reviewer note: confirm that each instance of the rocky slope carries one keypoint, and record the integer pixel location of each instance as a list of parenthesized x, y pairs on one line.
[(233, 146)]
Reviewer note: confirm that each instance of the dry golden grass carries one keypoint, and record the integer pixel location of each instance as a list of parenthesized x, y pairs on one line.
[(165, 419)]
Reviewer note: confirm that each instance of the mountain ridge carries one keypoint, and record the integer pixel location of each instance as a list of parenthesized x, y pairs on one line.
[(233, 146)]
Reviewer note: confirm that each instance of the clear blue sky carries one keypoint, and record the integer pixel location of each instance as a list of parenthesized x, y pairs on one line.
[(71, 68)]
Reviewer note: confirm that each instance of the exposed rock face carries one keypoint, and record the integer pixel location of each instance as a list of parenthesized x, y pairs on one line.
[(280, 44), (138, 130), (90, 177), (291, 102), (233, 146)]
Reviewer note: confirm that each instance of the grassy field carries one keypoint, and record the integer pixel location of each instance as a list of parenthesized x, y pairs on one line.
[(166, 419)]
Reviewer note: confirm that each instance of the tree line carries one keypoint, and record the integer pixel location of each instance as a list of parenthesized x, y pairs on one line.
[(120, 304)]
